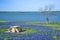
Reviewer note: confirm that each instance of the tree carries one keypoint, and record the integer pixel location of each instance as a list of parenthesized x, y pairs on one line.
[(47, 11)]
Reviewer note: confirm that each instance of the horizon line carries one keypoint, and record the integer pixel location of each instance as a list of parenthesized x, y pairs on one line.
[(26, 11)]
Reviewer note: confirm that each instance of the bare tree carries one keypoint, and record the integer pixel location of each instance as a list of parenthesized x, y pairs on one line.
[(47, 11)]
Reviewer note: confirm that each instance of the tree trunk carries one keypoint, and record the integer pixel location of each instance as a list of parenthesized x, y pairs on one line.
[(47, 20)]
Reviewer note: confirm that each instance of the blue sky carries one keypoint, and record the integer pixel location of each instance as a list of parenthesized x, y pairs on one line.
[(27, 5)]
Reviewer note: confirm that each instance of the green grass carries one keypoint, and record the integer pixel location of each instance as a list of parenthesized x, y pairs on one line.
[(55, 25), (3, 29), (55, 37), (27, 30), (30, 31), (4, 21)]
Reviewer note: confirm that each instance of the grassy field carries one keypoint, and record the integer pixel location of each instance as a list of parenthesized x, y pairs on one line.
[(3, 21), (3, 29), (27, 30), (55, 25)]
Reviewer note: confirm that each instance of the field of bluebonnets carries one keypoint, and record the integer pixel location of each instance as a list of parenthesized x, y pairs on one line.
[(34, 31)]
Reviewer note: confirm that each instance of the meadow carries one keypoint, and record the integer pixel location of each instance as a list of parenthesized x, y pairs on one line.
[(34, 31)]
